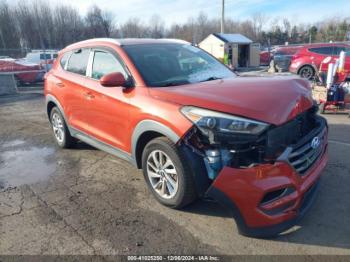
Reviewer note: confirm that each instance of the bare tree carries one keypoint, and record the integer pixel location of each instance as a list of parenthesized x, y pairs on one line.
[(69, 26), (9, 36), (258, 21), (27, 26), (133, 28), (98, 23), (156, 27), (38, 24)]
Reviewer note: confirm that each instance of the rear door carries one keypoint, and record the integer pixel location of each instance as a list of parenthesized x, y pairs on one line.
[(71, 82), (107, 107)]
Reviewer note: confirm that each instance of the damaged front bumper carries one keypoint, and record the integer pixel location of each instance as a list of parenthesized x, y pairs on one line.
[(269, 198), (269, 180)]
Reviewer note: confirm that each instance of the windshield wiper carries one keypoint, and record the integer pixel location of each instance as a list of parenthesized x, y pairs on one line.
[(175, 84), (211, 79)]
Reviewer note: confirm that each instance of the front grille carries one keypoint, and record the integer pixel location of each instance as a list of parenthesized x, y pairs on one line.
[(281, 137), (304, 155)]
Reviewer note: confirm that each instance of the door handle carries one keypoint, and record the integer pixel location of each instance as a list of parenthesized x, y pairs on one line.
[(89, 95), (59, 84)]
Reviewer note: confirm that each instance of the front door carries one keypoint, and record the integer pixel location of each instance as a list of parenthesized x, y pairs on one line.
[(107, 107)]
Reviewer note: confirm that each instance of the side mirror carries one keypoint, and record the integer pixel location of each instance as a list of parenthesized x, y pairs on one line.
[(113, 79)]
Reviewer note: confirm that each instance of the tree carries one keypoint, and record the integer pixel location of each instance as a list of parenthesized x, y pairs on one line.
[(156, 27), (9, 35), (38, 24), (98, 23), (69, 26), (258, 21), (132, 28), (312, 32)]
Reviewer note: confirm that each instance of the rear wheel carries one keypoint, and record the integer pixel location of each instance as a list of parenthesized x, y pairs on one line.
[(307, 72), (60, 129), (167, 173)]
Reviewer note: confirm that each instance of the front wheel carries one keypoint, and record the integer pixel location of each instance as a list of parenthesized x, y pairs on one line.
[(167, 173)]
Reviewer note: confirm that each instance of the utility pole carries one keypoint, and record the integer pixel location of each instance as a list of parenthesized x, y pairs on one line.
[(222, 16), (310, 37)]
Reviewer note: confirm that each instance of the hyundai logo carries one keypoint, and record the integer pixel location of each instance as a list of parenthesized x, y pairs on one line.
[(315, 143)]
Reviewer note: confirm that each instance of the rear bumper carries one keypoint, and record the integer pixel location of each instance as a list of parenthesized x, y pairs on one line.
[(243, 192)]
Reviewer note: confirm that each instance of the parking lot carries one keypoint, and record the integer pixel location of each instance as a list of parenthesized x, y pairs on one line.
[(84, 201)]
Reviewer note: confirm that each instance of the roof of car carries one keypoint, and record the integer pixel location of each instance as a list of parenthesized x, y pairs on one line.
[(325, 44), (127, 41)]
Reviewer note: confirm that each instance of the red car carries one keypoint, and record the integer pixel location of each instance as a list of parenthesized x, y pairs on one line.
[(31, 72), (265, 57), (195, 128), (307, 59), (324, 65)]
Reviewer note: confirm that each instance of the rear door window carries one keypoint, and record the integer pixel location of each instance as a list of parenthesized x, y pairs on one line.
[(105, 63), (78, 61)]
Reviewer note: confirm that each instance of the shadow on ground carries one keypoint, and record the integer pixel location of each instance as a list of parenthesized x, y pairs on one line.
[(7, 99)]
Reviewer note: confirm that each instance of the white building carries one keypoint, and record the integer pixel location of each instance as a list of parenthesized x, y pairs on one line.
[(237, 48)]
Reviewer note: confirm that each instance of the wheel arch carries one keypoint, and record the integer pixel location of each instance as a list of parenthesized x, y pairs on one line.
[(144, 132), (308, 64), (52, 102)]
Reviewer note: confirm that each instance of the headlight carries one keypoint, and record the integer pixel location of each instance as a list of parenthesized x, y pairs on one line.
[(219, 122)]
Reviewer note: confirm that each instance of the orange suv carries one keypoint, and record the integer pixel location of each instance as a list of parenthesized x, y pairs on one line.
[(196, 129)]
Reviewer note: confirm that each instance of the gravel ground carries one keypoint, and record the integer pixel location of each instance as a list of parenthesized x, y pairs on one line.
[(84, 201)]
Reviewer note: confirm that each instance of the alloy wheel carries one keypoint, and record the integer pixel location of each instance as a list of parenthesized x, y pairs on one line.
[(58, 127), (162, 174)]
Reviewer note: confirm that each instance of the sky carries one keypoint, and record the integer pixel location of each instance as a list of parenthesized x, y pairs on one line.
[(298, 11)]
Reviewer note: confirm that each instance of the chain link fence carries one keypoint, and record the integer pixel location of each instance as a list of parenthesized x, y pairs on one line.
[(24, 69)]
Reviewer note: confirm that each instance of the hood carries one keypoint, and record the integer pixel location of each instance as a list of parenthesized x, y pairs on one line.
[(274, 100)]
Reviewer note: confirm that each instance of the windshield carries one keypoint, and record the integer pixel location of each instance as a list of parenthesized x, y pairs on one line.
[(175, 64)]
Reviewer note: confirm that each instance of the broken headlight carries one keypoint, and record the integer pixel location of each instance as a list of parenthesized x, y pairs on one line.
[(219, 126)]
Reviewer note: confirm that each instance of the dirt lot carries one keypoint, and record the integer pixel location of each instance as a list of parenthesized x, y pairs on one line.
[(84, 201)]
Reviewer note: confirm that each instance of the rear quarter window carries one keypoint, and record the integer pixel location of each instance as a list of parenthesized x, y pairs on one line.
[(322, 50)]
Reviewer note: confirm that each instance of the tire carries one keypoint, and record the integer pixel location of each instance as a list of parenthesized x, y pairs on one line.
[(307, 72), (179, 189), (60, 130)]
